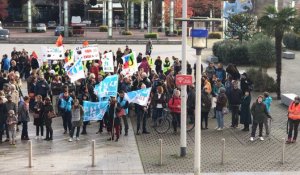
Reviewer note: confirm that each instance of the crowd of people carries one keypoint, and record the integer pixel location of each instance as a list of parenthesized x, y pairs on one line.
[(51, 93)]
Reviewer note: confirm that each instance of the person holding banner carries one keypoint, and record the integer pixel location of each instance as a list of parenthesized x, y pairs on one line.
[(124, 105), (65, 106), (141, 114), (112, 120)]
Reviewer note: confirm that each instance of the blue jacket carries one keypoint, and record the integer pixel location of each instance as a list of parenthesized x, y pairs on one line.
[(267, 101), (65, 104), (5, 64)]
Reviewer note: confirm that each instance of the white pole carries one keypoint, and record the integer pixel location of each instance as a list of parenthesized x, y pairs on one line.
[(276, 5), (142, 15), (60, 12), (66, 19), (93, 153), (29, 16), (161, 152), (104, 13), (30, 154), (283, 151), (197, 156), (163, 24), (149, 16), (172, 17), (223, 20), (293, 4), (211, 23), (132, 14), (183, 88), (109, 18), (223, 152)]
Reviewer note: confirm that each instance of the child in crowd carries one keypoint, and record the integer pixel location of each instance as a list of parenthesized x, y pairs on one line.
[(12, 126)]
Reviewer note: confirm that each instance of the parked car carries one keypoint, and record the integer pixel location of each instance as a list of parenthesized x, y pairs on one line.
[(41, 27), (51, 24), (1, 25), (59, 30), (4, 34)]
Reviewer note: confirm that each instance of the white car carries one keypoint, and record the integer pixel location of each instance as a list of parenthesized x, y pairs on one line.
[(4, 34), (41, 27)]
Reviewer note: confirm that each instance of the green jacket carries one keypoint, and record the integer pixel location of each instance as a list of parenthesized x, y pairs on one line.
[(259, 112)]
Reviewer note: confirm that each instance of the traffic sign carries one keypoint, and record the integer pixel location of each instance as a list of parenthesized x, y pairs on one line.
[(184, 80)]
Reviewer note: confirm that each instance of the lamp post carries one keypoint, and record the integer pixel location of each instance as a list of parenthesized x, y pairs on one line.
[(110, 14), (142, 15), (29, 16), (66, 19), (199, 42)]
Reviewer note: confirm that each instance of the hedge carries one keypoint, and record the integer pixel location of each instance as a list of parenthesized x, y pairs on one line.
[(261, 81), (151, 35), (291, 41), (126, 33), (215, 35), (103, 28)]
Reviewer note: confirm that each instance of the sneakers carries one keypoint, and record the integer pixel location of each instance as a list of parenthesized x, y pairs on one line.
[(77, 139), (216, 128), (219, 129), (261, 138), (70, 140), (251, 139)]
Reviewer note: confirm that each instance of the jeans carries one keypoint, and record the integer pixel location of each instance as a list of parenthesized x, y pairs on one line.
[(220, 119), (49, 132), (1, 131), (38, 127), (235, 115), (157, 113), (254, 126), (12, 135), (266, 124), (24, 129), (124, 118), (54, 102), (67, 120), (293, 125), (204, 117), (141, 115), (73, 130), (175, 120)]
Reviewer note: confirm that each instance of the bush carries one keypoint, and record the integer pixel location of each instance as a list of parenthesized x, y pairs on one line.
[(103, 28), (261, 81), (229, 51), (292, 41), (151, 35), (126, 33), (215, 35)]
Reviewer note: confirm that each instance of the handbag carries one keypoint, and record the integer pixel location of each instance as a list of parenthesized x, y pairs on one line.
[(36, 115), (121, 112), (51, 114), (225, 110)]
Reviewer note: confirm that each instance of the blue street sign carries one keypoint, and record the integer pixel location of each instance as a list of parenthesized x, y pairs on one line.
[(199, 33)]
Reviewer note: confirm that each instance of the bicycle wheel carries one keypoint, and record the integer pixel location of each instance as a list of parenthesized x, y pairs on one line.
[(162, 125), (190, 124), (149, 125)]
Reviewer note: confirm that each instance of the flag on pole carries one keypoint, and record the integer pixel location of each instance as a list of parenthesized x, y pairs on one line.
[(107, 87), (76, 72), (59, 41), (140, 97), (129, 64)]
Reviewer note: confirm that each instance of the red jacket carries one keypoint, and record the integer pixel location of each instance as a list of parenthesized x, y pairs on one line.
[(95, 70), (175, 104)]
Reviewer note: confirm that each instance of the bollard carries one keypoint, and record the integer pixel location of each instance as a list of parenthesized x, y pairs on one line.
[(93, 153), (283, 151), (160, 151), (30, 154), (223, 152)]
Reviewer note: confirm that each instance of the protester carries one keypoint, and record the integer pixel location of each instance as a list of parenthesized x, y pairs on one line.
[(235, 98), (77, 118), (12, 126), (124, 105), (267, 101), (48, 114), (293, 120), (245, 111), (65, 106), (220, 105), (23, 117), (38, 117), (205, 108), (174, 105)]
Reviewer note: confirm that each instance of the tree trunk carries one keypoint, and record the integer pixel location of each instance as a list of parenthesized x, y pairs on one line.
[(126, 21), (278, 48)]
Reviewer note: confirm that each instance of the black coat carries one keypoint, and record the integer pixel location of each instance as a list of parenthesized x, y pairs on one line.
[(236, 96), (3, 111), (245, 110)]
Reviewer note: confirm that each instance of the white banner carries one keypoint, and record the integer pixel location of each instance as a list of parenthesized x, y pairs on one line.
[(76, 72), (52, 53), (86, 53), (108, 62)]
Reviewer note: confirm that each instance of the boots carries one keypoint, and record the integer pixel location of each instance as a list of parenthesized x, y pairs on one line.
[(294, 140), (289, 140)]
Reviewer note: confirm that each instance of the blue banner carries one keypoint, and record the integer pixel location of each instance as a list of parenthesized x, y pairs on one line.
[(107, 87), (140, 97), (94, 111)]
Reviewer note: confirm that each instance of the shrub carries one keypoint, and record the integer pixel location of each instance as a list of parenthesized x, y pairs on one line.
[(261, 81), (151, 35), (126, 33), (215, 35), (261, 51), (103, 28), (229, 51), (292, 41)]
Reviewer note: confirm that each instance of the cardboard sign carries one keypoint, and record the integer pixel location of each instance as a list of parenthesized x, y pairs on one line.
[(52, 53), (87, 53), (184, 80)]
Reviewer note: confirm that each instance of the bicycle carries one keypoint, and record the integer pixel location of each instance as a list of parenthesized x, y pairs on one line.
[(162, 124)]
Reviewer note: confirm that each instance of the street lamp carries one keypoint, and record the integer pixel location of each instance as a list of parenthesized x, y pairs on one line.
[(199, 42)]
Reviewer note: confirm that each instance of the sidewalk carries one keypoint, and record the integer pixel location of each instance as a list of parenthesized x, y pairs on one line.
[(62, 157)]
